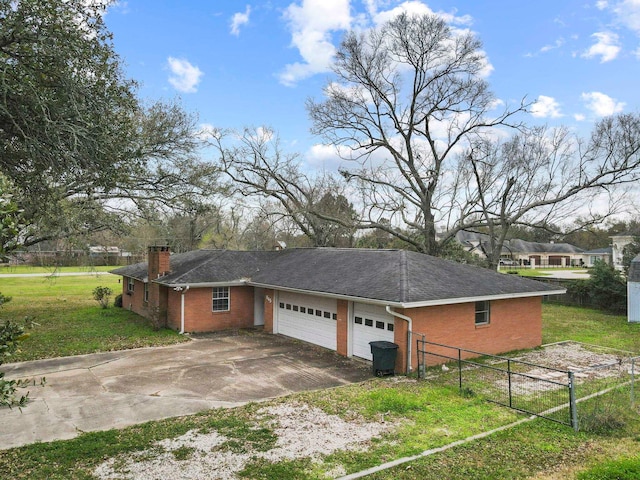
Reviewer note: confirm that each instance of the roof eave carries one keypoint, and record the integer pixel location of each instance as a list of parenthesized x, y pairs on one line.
[(231, 283), (501, 296), (426, 303)]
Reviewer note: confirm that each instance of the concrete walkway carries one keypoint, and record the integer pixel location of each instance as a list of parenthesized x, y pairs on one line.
[(115, 389)]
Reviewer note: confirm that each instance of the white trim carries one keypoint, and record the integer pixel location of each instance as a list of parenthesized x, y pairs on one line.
[(234, 283), (426, 303), (228, 298)]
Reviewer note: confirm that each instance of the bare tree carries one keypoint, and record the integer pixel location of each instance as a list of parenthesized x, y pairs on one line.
[(408, 97), (546, 177), (259, 168)]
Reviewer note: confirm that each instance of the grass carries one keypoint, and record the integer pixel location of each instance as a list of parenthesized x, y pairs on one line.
[(70, 322), (536, 272), (426, 415), (22, 269), (587, 325)]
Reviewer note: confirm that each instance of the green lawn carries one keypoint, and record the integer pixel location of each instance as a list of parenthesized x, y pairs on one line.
[(10, 269), (425, 415), (536, 272), (68, 321), (586, 325)]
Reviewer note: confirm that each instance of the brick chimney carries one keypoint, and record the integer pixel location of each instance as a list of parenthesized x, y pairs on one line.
[(159, 262)]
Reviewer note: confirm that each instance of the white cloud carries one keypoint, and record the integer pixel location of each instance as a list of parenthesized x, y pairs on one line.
[(607, 47), (627, 12), (313, 21), (579, 117), (557, 44), (185, 76), (546, 107), (239, 19), (601, 104), (602, 4), (311, 24)]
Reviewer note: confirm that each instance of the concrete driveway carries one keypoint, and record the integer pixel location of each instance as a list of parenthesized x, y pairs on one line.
[(115, 389)]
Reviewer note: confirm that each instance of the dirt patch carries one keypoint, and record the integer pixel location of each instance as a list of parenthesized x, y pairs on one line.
[(555, 361), (302, 431)]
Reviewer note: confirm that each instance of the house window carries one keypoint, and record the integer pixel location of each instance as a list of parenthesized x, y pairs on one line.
[(220, 299), (146, 292), (358, 320), (130, 284), (482, 313), (379, 324)]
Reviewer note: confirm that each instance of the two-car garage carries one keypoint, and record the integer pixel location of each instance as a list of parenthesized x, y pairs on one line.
[(314, 319)]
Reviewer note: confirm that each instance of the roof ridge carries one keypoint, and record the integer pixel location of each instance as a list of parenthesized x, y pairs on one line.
[(403, 275)]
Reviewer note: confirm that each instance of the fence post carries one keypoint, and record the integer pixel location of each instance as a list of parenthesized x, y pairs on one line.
[(509, 377), (422, 354), (460, 369), (573, 408), (633, 367)]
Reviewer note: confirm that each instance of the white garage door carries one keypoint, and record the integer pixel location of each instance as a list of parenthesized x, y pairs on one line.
[(308, 318), (370, 323)]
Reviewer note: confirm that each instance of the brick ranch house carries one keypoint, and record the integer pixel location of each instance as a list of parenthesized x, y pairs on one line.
[(340, 299)]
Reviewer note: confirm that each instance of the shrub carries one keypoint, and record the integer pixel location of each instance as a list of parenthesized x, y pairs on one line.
[(10, 335), (606, 289), (101, 295), (117, 302)]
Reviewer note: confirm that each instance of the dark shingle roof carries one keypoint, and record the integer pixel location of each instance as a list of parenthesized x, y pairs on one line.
[(204, 266), (518, 246), (522, 246), (394, 276), (634, 270), (390, 275), (599, 251)]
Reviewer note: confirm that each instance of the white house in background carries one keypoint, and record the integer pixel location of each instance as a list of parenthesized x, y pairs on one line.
[(633, 291), (534, 254), (599, 254), (618, 242)]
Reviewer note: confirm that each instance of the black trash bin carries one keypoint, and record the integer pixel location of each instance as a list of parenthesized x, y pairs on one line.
[(384, 357)]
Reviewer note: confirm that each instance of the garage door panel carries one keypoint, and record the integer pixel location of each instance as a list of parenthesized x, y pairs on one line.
[(370, 323), (307, 318)]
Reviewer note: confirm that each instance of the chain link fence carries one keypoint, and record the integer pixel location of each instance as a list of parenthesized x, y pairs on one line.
[(566, 382)]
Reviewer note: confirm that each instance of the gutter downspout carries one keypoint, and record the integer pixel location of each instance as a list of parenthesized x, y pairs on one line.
[(183, 291), (409, 328)]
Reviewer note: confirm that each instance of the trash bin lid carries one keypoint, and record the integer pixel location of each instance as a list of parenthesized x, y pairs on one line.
[(383, 345)]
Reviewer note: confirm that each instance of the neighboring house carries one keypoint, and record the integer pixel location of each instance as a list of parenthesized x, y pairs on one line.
[(618, 242), (633, 290), (598, 255), (340, 299), (534, 254)]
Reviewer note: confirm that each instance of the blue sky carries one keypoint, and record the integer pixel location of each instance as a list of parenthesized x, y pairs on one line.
[(255, 63)]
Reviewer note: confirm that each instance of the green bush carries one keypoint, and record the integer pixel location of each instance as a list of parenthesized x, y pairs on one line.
[(117, 302), (606, 288), (101, 295)]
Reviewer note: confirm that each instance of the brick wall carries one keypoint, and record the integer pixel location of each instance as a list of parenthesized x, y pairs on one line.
[(400, 329), (515, 324), (342, 327), (134, 301), (198, 313), (269, 306)]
